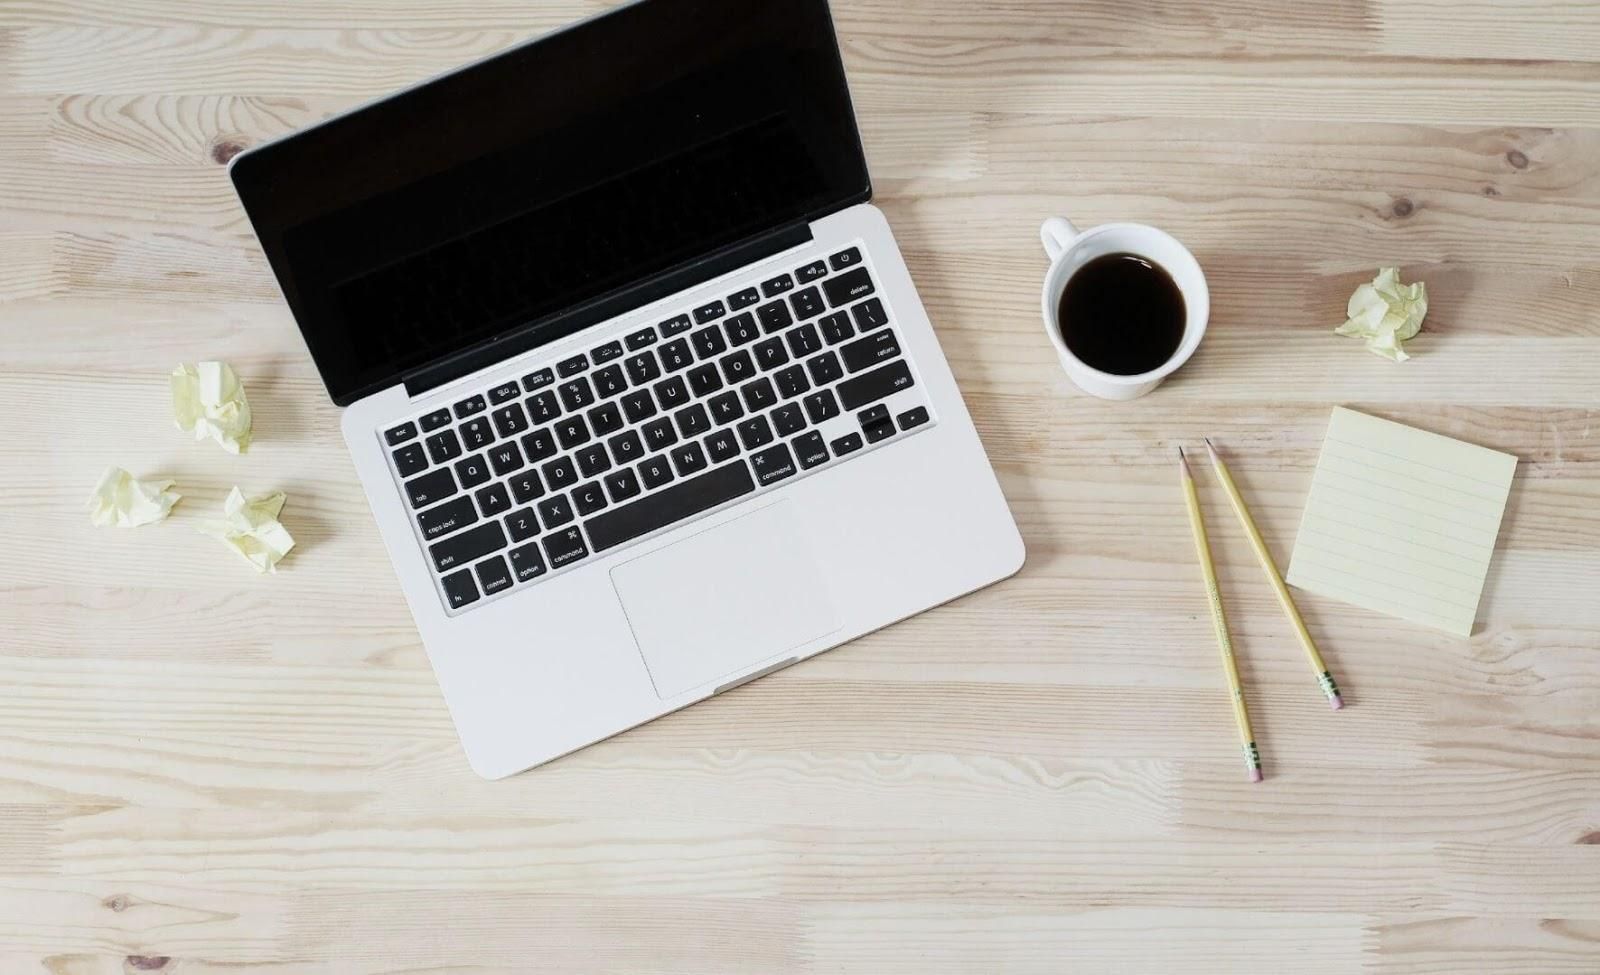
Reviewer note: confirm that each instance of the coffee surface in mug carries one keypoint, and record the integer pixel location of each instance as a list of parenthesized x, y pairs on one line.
[(1122, 314)]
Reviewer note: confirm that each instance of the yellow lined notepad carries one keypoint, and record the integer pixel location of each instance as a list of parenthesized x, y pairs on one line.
[(1401, 521)]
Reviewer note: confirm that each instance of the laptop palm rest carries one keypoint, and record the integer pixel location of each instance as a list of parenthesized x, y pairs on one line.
[(715, 604)]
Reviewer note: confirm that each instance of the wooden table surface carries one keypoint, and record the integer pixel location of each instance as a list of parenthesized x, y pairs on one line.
[(203, 770)]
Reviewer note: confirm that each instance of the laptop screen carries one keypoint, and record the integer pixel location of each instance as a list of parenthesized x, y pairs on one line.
[(495, 197)]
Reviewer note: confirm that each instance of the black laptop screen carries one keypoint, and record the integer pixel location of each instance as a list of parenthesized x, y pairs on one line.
[(560, 171)]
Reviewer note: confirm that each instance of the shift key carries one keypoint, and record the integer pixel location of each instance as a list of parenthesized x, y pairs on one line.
[(869, 387), (467, 546)]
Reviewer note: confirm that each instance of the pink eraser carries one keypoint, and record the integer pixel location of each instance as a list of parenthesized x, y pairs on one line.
[(1255, 775), (1336, 701)]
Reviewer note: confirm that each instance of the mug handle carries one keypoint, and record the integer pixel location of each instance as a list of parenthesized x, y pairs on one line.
[(1057, 234)]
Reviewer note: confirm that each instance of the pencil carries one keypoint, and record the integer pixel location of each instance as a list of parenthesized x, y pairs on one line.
[(1241, 714), (1324, 678)]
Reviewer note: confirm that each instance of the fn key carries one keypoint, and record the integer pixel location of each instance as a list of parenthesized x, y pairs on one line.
[(459, 589)]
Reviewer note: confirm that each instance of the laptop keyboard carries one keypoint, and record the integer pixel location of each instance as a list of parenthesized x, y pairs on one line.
[(533, 476)]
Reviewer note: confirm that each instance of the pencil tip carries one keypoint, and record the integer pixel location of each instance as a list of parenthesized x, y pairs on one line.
[(1183, 462)]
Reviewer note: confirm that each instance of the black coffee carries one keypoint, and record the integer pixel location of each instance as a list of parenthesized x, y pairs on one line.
[(1122, 314)]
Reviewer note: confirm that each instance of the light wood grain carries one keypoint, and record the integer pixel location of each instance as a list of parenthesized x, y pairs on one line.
[(203, 771)]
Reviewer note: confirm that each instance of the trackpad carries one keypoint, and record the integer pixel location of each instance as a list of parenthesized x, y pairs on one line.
[(720, 602)]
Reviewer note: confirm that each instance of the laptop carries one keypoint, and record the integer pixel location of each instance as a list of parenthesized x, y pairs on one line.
[(633, 375)]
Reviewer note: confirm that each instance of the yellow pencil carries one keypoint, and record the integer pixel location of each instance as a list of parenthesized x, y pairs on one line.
[(1324, 678), (1241, 714)]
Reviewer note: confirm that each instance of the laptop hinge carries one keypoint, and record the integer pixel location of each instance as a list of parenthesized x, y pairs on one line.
[(553, 327)]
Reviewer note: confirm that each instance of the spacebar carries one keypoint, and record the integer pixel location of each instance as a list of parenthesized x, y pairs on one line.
[(663, 508)]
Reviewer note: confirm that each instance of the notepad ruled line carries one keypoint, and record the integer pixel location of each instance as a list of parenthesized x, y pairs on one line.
[(1434, 503), (1411, 460), (1367, 540), (1420, 512)]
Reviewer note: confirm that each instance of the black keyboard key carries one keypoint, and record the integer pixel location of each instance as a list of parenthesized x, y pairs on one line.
[(494, 500), (643, 368), (879, 431), (400, 434), (672, 393), (544, 407), (446, 518), (674, 325), (792, 382), (741, 329), (622, 484), (849, 257), (609, 382), (870, 314), (565, 547), (755, 432), (738, 367), (443, 446), (555, 510), (689, 458), (807, 304), (527, 562), (410, 459), (470, 405), (537, 380), (577, 393), (510, 420), (675, 355), (869, 351), (658, 434), (643, 337), (638, 405), (722, 445), (869, 387), (772, 464), (472, 471), (788, 419), (705, 379), (560, 473), (504, 392), (606, 352), (592, 459), (572, 366), (526, 486), (810, 450), (589, 498), (914, 417), (626, 447), (431, 487), (836, 327), (872, 415), (435, 420), (656, 471), (743, 299), (821, 405), (693, 420), (685, 499), (849, 443), (605, 419), (464, 547), (770, 353), (493, 575), (459, 588), (505, 458), (539, 444), (709, 342), (774, 317), (812, 271), (477, 433), (709, 313), (777, 285), (803, 341), (848, 286), (572, 431), (824, 368), (522, 524), (758, 395), (725, 407)]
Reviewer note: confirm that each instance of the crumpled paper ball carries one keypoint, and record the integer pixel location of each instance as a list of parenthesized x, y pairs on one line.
[(209, 400), (1386, 313)]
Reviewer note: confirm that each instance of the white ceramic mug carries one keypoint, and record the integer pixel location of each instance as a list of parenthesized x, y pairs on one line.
[(1070, 250)]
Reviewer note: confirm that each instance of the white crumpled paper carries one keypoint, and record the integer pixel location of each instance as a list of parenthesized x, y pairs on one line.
[(251, 528), (1386, 313), (208, 399), (120, 500)]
